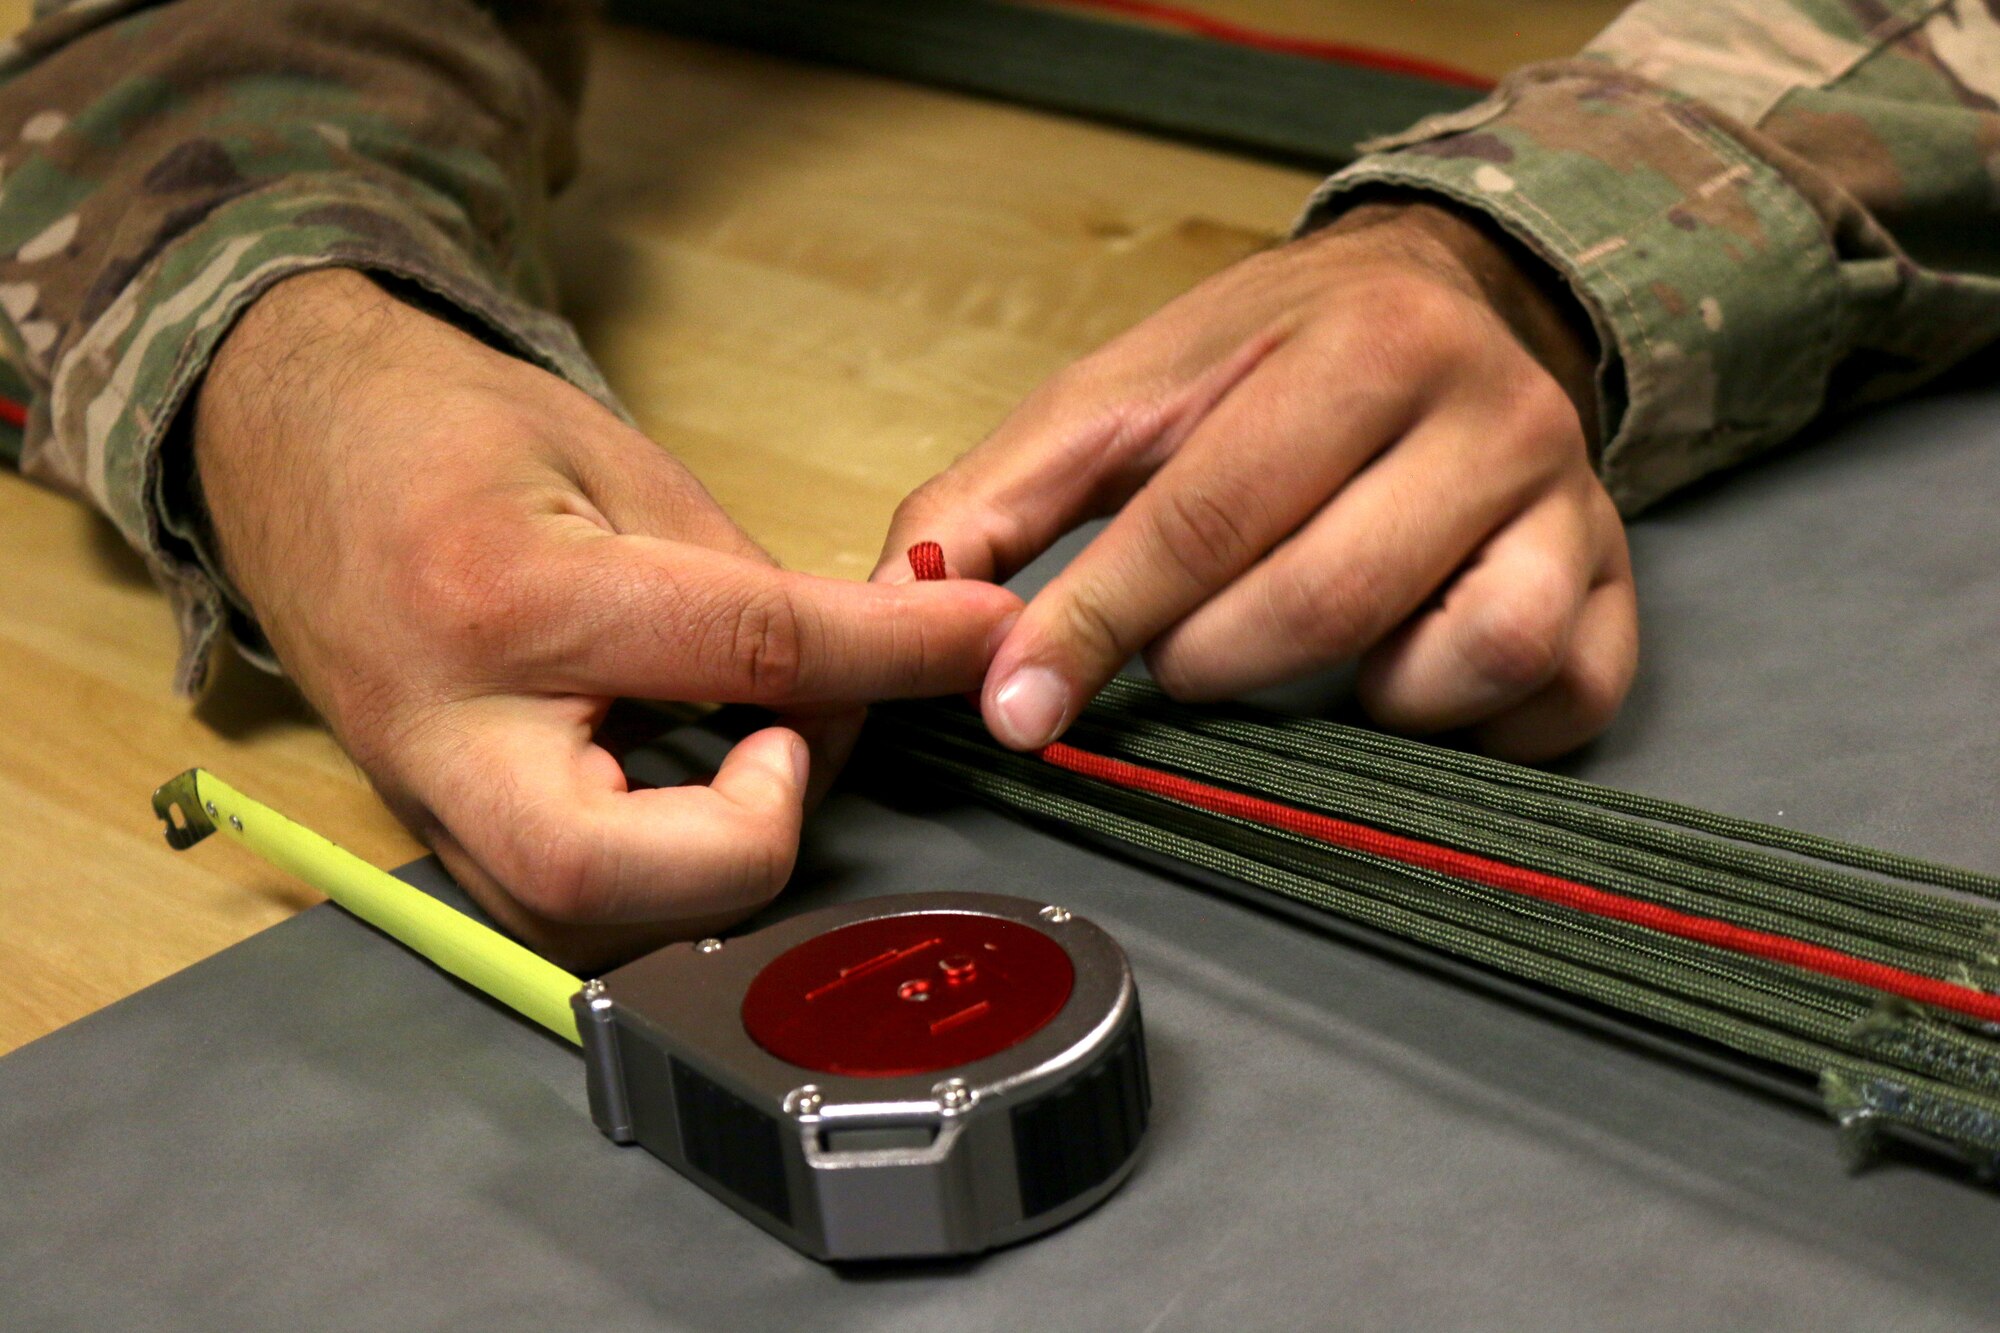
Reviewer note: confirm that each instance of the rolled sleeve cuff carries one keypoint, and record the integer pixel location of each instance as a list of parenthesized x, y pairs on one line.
[(1711, 280), (123, 383)]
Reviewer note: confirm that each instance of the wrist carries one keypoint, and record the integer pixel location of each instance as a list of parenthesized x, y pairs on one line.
[(264, 421)]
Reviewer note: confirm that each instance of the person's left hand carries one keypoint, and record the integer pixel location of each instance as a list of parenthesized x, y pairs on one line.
[(1366, 444)]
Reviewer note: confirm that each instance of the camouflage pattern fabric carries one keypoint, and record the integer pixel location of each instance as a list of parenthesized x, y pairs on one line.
[(166, 164), (1770, 208)]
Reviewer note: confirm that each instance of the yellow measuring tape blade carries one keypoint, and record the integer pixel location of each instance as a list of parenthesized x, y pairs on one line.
[(475, 954)]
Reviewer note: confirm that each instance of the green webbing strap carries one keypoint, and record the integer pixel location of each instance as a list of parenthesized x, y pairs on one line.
[(198, 803), (1876, 1061), (1504, 780), (1285, 106)]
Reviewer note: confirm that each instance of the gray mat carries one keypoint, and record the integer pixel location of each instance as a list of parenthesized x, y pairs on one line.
[(315, 1130)]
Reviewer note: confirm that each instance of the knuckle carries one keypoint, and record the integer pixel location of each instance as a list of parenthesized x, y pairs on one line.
[(1517, 645), (764, 647), (1092, 625), (1597, 682), (1097, 415), (1376, 368), (1539, 423), (916, 508), (1338, 613), (1543, 405), (1181, 673), (1608, 525), (1596, 696), (1206, 529), (1421, 300), (1425, 322), (553, 868)]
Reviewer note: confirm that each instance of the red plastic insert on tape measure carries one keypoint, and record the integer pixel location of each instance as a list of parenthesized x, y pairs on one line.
[(908, 994)]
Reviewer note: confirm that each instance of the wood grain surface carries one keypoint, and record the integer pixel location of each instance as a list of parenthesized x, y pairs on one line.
[(814, 287)]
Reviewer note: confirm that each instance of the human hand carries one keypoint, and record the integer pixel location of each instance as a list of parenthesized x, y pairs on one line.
[(1367, 444), (461, 559)]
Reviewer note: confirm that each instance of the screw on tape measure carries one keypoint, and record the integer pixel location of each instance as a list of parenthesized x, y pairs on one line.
[(914, 1076)]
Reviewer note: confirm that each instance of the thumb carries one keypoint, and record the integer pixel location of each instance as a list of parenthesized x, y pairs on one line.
[(564, 853)]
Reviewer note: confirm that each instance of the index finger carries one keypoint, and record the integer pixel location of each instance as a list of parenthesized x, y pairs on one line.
[(650, 618), (1262, 462)]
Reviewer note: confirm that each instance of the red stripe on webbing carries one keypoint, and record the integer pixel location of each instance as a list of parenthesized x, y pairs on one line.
[(13, 413), (1313, 48), (927, 561), (1529, 883)]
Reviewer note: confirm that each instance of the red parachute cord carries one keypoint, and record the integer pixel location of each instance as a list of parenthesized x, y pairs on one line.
[(1313, 48), (1500, 875), (1529, 883), (927, 562)]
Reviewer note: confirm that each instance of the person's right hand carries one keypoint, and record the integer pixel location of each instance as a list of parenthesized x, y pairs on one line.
[(461, 560)]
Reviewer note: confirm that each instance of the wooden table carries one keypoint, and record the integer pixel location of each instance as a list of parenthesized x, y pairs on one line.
[(814, 287)]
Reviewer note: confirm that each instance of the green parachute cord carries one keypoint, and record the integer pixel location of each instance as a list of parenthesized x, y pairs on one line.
[(1878, 1061)]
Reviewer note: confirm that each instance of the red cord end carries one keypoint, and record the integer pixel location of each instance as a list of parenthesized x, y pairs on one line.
[(927, 562)]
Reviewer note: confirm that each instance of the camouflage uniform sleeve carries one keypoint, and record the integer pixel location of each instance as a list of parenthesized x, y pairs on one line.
[(165, 164), (1770, 209)]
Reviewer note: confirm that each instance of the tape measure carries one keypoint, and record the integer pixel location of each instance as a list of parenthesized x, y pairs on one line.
[(916, 1076), (928, 1074)]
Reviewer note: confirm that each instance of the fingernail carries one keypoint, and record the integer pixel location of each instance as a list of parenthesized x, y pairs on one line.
[(998, 634), (1030, 708), (785, 756)]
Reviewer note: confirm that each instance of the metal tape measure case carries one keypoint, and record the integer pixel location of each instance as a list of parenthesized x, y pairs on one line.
[(910, 1076)]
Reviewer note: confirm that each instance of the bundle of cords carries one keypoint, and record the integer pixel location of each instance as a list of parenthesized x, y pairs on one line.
[(1841, 962)]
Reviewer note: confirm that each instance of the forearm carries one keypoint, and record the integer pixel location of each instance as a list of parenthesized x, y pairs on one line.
[(461, 559), (181, 159)]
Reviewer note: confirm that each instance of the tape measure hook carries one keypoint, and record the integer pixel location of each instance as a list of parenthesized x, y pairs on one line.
[(180, 796)]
